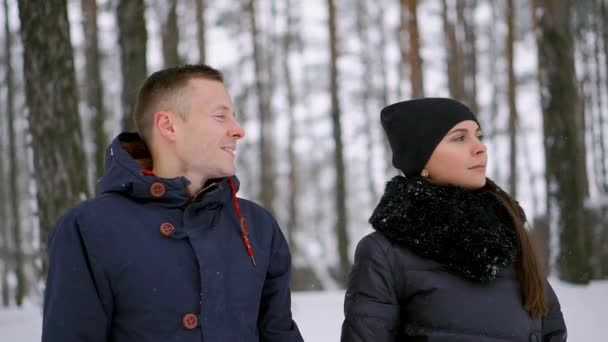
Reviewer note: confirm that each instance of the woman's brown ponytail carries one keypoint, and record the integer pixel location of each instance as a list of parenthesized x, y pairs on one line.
[(531, 279)]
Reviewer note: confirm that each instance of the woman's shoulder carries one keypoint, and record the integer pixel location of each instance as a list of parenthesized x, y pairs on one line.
[(377, 246)]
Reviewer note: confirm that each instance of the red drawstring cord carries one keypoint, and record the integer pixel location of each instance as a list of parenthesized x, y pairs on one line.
[(242, 220)]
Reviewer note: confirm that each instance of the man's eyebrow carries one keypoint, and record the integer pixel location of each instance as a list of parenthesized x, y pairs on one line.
[(220, 107)]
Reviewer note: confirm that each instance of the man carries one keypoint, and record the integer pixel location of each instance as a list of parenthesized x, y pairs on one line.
[(167, 252)]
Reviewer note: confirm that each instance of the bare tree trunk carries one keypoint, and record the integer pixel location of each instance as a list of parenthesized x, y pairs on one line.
[(132, 37), (267, 186), (583, 52), (511, 96), (382, 63), (603, 19), (340, 193), (171, 36), (51, 96), (293, 213), (93, 85), (366, 92), (490, 130), (5, 223), (411, 53), (454, 60), (14, 193), (200, 29), (597, 89), (465, 11), (602, 30), (6, 262), (5, 259), (563, 123), (5, 273)]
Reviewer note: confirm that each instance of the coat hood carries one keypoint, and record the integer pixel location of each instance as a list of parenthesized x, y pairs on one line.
[(128, 172)]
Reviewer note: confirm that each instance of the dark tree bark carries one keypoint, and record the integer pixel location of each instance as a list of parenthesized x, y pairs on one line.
[(15, 195), (367, 90), (93, 85), (4, 193), (52, 100), (201, 29), (602, 30), (460, 38), (384, 97), (563, 125), (4, 227), (293, 217), (379, 21), (454, 58), (511, 99), (468, 40), (340, 191), (132, 39), (603, 20), (267, 185), (170, 35), (410, 45)]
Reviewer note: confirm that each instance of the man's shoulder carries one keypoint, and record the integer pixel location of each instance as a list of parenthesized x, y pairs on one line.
[(101, 203), (97, 209), (259, 217), (251, 207)]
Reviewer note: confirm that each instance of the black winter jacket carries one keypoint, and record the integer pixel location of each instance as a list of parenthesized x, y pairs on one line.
[(441, 268)]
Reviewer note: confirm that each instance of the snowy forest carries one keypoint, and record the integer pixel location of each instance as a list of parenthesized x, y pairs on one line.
[(308, 79)]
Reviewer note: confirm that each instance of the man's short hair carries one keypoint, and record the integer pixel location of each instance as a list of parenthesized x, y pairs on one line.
[(166, 90)]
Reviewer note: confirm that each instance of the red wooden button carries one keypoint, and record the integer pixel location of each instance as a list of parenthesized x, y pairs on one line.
[(157, 189), (166, 229), (190, 321)]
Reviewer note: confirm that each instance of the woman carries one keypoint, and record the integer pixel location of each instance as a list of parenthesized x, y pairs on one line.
[(450, 259)]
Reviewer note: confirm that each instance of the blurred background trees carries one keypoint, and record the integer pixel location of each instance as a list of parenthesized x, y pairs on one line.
[(308, 80)]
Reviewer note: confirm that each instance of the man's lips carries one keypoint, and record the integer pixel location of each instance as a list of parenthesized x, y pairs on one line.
[(230, 149)]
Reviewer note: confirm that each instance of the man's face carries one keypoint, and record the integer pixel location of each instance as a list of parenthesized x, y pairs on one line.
[(206, 138)]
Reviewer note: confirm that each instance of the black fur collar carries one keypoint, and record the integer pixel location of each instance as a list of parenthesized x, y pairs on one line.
[(470, 232)]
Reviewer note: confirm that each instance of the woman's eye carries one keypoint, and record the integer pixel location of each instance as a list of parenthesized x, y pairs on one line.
[(459, 138), (480, 137)]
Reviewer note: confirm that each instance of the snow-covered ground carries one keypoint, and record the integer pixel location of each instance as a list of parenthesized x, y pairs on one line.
[(319, 315)]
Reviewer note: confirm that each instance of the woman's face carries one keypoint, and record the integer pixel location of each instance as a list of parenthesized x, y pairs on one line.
[(460, 158)]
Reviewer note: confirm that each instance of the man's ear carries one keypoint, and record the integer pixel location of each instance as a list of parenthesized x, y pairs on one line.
[(164, 123)]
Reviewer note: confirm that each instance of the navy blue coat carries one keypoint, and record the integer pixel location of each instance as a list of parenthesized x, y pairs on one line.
[(144, 262)]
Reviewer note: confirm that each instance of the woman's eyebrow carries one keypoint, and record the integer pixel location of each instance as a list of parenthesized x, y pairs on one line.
[(463, 130), (459, 130)]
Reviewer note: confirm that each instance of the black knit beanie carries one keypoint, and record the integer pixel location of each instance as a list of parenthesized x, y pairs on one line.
[(415, 127)]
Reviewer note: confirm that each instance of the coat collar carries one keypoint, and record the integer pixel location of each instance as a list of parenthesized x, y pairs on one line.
[(127, 172), (470, 232)]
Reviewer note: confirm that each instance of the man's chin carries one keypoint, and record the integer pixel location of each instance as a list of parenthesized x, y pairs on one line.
[(229, 172)]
